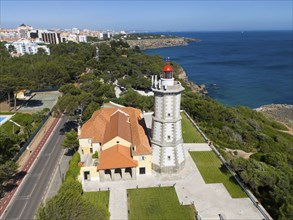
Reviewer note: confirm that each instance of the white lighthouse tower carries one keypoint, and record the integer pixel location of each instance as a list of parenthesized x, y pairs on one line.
[(167, 144)]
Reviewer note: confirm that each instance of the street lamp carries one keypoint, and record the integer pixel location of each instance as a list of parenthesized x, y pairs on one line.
[(14, 123)]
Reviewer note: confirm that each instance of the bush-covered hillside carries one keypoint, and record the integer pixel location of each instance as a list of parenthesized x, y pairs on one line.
[(268, 172)]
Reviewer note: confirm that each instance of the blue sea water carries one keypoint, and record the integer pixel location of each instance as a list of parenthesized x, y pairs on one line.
[(238, 68)]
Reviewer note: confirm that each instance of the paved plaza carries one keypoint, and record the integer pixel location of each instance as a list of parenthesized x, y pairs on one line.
[(210, 200)]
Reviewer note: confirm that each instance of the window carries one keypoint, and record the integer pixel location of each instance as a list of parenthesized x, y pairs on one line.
[(169, 157), (86, 175), (117, 142), (91, 150), (169, 114), (142, 158), (142, 170), (169, 137)]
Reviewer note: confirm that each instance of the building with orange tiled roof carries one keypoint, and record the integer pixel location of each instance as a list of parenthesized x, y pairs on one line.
[(118, 135)]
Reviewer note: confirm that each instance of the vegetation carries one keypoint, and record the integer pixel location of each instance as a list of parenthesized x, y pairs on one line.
[(74, 169), (189, 132), (95, 155), (88, 80), (213, 171), (70, 141), (268, 172), (117, 63), (12, 136), (7, 173), (100, 198), (70, 203), (157, 203)]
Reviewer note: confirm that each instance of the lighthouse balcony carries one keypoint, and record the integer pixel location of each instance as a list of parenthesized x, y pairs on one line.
[(176, 87)]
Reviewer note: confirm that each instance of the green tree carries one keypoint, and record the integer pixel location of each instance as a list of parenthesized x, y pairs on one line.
[(69, 204), (11, 48), (7, 172), (8, 146), (70, 141)]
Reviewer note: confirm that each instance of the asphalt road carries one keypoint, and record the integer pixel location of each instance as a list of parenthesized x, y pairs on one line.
[(32, 190)]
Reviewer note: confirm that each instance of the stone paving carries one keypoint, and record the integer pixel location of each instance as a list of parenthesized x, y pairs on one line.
[(210, 200)]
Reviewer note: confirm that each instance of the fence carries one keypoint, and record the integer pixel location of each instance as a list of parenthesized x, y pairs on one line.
[(24, 146), (248, 192)]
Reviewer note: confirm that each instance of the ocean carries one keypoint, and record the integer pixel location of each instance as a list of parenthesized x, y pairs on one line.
[(238, 68)]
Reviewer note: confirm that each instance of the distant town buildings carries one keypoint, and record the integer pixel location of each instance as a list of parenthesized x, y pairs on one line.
[(50, 37), (26, 39), (25, 46)]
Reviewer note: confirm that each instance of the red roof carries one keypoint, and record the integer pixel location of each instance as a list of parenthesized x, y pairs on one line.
[(96, 128), (116, 157), (167, 68)]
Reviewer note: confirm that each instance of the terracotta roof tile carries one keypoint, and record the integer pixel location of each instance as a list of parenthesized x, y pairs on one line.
[(119, 125), (96, 126), (117, 156)]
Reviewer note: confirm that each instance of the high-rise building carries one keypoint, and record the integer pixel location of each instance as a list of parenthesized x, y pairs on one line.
[(50, 37), (167, 143)]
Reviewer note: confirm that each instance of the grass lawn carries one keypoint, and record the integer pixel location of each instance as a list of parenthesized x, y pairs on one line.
[(157, 203), (189, 132), (22, 119), (100, 198), (213, 171)]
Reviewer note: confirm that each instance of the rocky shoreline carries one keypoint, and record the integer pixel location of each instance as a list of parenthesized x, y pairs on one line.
[(144, 44), (280, 112), (196, 88)]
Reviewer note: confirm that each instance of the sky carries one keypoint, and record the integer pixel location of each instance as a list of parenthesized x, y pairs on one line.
[(151, 15)]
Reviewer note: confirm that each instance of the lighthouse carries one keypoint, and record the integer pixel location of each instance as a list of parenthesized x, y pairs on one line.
[(167, 143)]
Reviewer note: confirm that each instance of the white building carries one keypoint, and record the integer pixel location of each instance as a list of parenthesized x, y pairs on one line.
[(167, 143), (82, 38), (75, 31), (24, 46)]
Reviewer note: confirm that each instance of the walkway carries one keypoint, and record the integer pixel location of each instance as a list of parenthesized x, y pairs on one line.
[(210, 200), (27, 165)]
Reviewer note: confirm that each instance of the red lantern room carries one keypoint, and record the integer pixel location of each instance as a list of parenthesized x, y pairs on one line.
[(167, 72)]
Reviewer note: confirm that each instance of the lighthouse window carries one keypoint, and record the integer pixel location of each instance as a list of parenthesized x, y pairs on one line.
[(168, 75), (169, 114), (169, 157), (169, 137)]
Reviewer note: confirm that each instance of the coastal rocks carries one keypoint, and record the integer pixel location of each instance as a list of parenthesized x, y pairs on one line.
[(159, 43), (280, 112), (196, 88)]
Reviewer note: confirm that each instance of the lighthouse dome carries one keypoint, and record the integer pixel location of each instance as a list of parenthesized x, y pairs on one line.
[(167, 68)]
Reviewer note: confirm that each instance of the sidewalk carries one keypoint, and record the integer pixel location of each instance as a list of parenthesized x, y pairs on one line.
[(210, 200), (34, 143)]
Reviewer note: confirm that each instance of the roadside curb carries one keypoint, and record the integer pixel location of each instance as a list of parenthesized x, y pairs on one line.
[(8, 198)]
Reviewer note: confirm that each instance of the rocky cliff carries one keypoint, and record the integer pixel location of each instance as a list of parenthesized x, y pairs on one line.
[(181, 74), (280, 112), (159, 43)]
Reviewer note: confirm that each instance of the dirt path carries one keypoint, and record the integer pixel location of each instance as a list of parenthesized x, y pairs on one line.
[(240, 153)]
